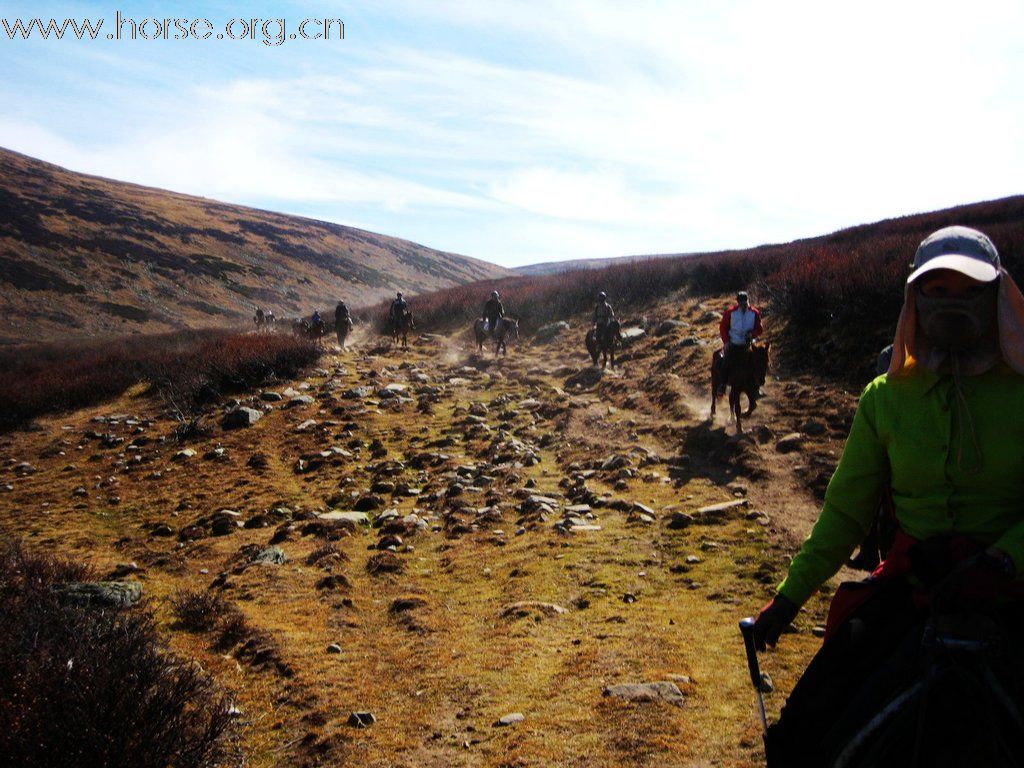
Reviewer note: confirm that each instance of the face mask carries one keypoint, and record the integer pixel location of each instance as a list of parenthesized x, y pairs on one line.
[(953, 323)]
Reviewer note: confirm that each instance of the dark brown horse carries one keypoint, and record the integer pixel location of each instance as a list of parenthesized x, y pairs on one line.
[(308, 329), (400, 327), (505, 328), (343, 328), (747, 371), (610, 335)]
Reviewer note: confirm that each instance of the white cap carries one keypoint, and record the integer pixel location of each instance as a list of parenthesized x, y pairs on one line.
[(962, 249)]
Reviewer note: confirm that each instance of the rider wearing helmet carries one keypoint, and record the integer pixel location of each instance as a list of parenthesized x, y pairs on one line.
[(740, 325), (493, 310), (603, 313), (943, 429), (398, 307), (316, 320)]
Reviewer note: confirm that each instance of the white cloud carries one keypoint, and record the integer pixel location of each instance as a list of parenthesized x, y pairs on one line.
[(593, 127)]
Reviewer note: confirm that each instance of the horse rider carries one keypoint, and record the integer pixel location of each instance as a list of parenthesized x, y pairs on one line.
[(941, 429), (259, 316), (316, 321), (493, 311), (741, 324), (603, 314), (341, 314), (398, 308)]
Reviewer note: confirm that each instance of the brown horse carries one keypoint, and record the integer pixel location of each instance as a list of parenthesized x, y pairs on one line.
[(308, 329), (400, 327), (605, 345), (265, 322), (505, 328), (343, 328), (747, 372)]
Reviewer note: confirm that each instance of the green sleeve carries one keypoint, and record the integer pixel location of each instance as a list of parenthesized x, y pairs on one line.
[(851, 501)]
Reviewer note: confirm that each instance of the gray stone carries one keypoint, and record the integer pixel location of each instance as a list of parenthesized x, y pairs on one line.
[(361, 719), (300, 400), (359, 518), (790, 442), (667, 326), (632, 334), (239, 418), (112, 594), (663, 690), (551, 330), (271, 397), (510, 719), (273, 555)]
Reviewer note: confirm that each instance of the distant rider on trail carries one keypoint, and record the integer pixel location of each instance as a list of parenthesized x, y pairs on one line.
[(259, 316), (398, 308), (493, 311), (316, 321), (740, 325), (603, 314), (341, 313)]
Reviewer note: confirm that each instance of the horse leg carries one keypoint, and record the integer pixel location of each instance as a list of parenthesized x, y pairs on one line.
[(734, 405)]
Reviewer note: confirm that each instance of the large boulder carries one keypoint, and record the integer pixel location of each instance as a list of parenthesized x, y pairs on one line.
[(107, 594), (239, 418), (551, 330), (663, 690)]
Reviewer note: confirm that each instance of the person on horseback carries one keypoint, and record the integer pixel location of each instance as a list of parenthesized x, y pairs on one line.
[(740, 325), (259, 316), (341, 313), (943, 430), (603, 314), (398, 308), (316, 320), (493, 311)]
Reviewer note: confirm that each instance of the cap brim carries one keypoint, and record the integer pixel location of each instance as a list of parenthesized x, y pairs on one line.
[(965, 265)]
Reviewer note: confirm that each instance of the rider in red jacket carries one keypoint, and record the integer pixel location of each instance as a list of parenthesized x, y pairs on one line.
[(740, 325)]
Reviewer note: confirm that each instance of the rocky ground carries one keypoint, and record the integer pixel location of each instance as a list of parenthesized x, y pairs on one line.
[(435, 558)]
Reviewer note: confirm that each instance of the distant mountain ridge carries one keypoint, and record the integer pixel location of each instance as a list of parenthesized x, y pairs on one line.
[(557, 267), (83, 255)]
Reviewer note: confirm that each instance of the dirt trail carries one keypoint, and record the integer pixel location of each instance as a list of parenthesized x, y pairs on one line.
[(534, 533)]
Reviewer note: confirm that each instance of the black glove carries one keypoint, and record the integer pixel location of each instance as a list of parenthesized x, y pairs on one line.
[(773, 619)]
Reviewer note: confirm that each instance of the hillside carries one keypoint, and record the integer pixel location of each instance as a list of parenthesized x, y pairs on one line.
[(442, 539), (557, 267), (837, 295), (82, 255)]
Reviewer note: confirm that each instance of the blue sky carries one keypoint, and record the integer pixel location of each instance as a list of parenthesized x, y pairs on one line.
[(520, 132)]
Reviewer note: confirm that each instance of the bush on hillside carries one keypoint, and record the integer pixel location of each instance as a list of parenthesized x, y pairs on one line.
[(187, 369), (89, 686)]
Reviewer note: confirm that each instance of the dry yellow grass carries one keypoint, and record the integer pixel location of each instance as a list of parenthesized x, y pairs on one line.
[(437, 677)]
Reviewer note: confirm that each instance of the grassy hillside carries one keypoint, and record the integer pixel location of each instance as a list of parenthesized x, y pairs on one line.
[(837, 296), (81, 255)]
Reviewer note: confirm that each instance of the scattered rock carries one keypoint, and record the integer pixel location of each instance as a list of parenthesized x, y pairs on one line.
[(663, 690), (111, 594), (272, 555), (531, 607), (361, 719), (550, 331), (183, 455), (813, 427), (334, 648), (238, 418), (510, 719), (790, 442)]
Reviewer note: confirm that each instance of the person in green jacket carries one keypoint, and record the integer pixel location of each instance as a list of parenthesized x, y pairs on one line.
[(943, 429)]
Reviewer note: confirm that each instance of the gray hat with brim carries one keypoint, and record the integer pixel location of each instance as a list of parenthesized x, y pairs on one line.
[(961, 249)]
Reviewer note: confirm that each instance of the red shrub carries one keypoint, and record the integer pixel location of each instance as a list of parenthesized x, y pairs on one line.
[(189, 368)]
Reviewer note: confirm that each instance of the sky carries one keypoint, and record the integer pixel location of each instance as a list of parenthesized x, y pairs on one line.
[(522, 132)]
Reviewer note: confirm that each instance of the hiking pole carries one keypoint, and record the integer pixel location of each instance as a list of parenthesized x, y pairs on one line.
[(747, 630)]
